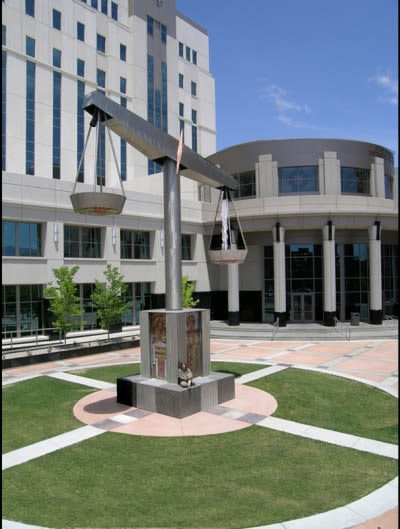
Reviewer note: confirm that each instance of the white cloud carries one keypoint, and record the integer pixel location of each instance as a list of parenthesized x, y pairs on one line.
[(285, 106), (389, 86)]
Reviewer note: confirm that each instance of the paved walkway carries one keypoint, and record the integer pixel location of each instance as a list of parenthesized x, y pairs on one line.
[(372, 361)]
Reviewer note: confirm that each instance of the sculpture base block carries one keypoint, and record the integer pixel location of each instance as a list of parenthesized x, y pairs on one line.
[(163, 397)]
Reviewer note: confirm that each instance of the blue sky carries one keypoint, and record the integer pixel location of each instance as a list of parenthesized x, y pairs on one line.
[(302, 68)]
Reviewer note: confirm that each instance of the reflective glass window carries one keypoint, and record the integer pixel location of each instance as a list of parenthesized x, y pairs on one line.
[(93, 3), (21, 239), (114, 11), (389, 187), (355, 180), (187, 51), (298, 179), (30, 7), (163, 33), (193, 88), (80, 31), (122, 52), (246, 184), (122, 85), (180, 49), (186, 247), (101, 43), (194, 56), (82, 241), (150, 25), (181, 109), (3, 107), (56, 19), (135, 244), (194, 138), (30, 46), (104, 8), (194, 116), (180, 80), (164, 97)]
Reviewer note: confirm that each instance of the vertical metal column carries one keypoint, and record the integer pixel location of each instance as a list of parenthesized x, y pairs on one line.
[(172, 229)]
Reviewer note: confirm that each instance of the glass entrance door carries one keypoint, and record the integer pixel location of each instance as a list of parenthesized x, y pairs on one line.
[(302, 307)]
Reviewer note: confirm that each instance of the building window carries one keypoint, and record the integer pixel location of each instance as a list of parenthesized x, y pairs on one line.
[(150, 25), (22, 309), (30, 109), (80, 119), (150, 88), (122, 85), (22, 239), (246, 185), (193, 88), (181, 109), (89, 317), (164, 97), (101, 43), (187, 50), (94, 3), (122, 52), (163, 33), (186, 247), (104, 8), (80, 31), (180, 80), (356, 279), (389, 187), (194, 116), (390, 279), (135, 244), (204, 193), (194, 57), (355, 180), (182, 127), (114, 11), (298, 179), (194, 138), (180, 49), (3, 100), (56, 114), (82, 241), (56, 19), (123, 167), (30, 8), (269, 287), (101, 78)]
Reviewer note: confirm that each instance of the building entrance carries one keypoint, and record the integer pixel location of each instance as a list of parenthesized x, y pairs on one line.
[(302, 307)]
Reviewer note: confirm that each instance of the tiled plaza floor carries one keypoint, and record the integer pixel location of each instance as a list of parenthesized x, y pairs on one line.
[(375, 361)]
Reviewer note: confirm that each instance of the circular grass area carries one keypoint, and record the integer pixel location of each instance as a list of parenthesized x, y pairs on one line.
[(251, 477)]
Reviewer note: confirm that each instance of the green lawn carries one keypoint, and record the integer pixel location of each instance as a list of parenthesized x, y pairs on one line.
[(37, 409), (333, 402), (246, 478)]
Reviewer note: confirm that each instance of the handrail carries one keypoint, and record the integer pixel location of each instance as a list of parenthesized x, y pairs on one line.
[(275, 328), (342, 329)]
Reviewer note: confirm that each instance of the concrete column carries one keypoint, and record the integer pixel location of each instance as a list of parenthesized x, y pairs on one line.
[(328, 232), (233, 294), (279, 274), (173, 243), (331, 177), (378, 178), (375, 274)]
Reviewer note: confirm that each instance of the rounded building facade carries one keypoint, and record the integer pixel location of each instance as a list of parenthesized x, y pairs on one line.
[(320, 221)]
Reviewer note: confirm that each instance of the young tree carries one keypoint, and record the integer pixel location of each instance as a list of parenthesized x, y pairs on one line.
[(187, 293), (109, 298), (64, 301)]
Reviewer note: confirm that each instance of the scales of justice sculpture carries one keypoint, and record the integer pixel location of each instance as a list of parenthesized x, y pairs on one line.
[(171, 335)]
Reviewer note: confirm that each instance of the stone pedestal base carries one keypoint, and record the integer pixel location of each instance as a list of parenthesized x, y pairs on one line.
[(161, 396)]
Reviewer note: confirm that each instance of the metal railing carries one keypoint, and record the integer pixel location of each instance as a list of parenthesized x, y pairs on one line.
[(342, 329), (275, 328), (47, 337)]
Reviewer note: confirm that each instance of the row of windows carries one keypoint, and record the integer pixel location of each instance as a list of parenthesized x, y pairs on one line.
[(187, 53), (193, 85), (162, 28), (103, 4), (24, 308), (24, 239), (298, 180)]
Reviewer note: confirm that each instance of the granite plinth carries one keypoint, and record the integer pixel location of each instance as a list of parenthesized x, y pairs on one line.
[(163, 397)]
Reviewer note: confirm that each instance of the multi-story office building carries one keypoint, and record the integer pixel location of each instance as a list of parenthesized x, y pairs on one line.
[(319, 216)]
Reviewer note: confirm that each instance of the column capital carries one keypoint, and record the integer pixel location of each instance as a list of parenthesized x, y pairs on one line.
[(374, 231), (278, 233)]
